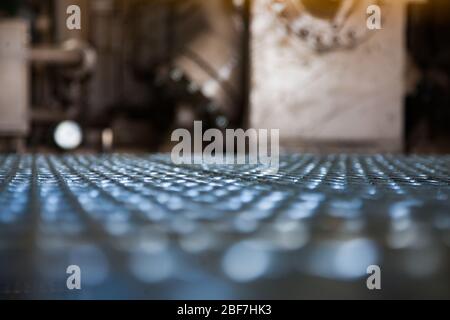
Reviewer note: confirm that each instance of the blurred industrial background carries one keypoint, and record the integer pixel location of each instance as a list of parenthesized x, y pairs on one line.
[(138, 69), (85, 113)]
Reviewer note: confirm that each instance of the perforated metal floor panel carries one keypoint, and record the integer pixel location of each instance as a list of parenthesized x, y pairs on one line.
[(141, 227)]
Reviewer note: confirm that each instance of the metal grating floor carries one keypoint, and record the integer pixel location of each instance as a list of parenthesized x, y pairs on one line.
[(141, 227)]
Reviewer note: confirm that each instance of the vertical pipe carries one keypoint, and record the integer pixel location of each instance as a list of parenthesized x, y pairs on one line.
[(170, 31), (246, 63)]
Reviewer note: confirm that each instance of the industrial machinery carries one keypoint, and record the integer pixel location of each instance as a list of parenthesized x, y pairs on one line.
[(147, 65), (137, 69)]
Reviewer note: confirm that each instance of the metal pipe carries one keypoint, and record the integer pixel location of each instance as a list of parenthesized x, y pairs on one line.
[(245, 63), (55, 56)]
